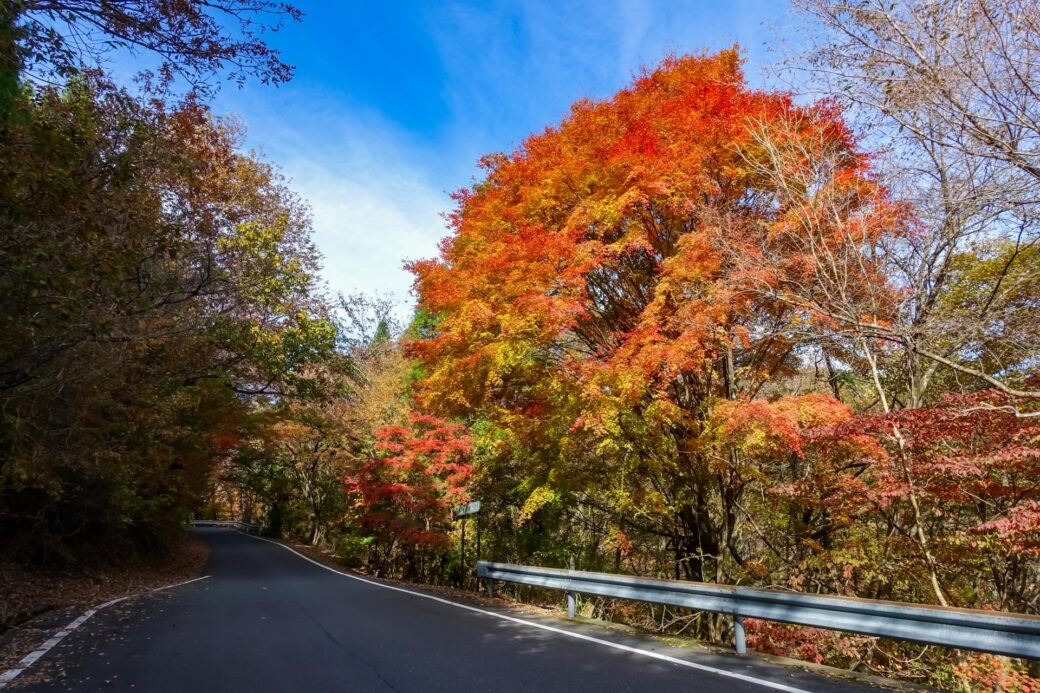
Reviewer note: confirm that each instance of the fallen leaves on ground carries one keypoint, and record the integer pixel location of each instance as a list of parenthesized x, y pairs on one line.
[(35, 601)]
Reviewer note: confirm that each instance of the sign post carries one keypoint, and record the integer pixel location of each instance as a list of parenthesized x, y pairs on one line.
[(461, 513)]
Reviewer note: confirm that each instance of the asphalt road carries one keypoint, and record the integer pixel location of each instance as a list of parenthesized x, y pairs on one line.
[(270, 620)]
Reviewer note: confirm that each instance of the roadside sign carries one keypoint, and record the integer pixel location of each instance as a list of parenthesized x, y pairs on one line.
[(471, 508)]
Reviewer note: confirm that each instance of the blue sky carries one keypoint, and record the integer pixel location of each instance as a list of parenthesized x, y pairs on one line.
[(393, 103)]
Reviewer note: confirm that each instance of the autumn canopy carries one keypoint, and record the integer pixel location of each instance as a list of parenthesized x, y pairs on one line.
[(615, 290), (696, 330)]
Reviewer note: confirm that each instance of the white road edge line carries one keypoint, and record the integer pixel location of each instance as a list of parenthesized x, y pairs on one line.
[(551, 629), (31, 658)]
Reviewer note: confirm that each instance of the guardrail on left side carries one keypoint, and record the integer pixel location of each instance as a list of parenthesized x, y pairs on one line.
[(231, 524)]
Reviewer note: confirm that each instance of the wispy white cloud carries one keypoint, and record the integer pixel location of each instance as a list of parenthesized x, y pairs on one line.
[(375, 202), (369, 220), (634, 18)]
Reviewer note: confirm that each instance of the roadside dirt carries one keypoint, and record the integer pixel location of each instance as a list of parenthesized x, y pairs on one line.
[(35, 603)]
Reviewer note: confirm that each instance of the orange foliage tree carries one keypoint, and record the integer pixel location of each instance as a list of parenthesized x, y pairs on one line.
[(616, 280), (403, 494), (965, 471)]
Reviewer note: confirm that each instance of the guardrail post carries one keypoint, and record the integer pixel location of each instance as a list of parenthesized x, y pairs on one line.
[(489, 583), (572, 598), (738, 634)]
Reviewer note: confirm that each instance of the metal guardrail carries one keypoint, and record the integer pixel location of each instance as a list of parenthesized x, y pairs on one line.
[(1013, 635), (232, 524)]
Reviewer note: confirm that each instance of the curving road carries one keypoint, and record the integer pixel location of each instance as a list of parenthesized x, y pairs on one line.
[(268, 619)]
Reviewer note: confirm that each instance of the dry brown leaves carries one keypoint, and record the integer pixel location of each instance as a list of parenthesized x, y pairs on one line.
[(34, 601)]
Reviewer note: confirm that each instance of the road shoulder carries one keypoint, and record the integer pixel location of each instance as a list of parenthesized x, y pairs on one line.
[(41, 604), (759, 665)]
